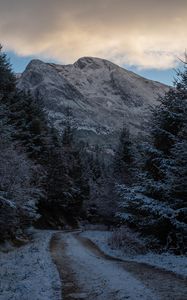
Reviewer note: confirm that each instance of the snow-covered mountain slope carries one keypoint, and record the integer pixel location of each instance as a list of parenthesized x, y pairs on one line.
[(101, 96)]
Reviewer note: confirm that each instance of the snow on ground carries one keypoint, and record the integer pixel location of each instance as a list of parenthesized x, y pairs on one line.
[(100, 279), (177, 264), (28, 273)]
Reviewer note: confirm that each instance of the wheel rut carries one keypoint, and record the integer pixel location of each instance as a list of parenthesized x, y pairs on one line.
[(163, 284), (69, 284), (166, 284)]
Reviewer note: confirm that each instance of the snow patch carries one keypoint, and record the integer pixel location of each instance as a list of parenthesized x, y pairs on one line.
[(167, 261), (28, 272)]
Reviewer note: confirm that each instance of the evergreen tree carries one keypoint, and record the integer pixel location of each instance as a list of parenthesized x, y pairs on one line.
[(66, 186), (156, 203), (7, 82), (79, 188), (169, 120), (95, 164), (123, 160), (27, 117), (176, 177), (19, 176)]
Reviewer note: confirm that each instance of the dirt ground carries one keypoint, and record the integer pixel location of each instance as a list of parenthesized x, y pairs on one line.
[(88, 273)]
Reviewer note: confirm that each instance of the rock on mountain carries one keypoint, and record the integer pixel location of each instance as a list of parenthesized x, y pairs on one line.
[(100, 95)]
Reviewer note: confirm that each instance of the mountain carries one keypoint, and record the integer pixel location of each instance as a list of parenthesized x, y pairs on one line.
[(95, 95)]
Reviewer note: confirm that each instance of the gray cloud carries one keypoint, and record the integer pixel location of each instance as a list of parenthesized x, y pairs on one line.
[(146, 33)]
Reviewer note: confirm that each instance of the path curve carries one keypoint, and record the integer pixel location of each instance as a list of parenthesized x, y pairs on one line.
[(88, 273)]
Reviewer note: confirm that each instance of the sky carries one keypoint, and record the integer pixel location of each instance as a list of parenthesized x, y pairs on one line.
[(145, 36)]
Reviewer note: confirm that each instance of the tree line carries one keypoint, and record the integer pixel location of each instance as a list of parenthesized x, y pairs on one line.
[(41, 173), (152, 180), (51, 180)]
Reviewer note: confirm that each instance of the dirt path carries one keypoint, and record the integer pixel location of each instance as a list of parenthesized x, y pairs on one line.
[(88, 273)]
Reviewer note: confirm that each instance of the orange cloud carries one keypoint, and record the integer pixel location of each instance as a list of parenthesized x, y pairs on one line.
[(145, 33)]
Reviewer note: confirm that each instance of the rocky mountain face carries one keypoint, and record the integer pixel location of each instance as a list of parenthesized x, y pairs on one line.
[(95, 95)]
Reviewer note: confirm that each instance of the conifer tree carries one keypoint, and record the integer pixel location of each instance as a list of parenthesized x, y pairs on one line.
[(66, 186), (7, 82), (19, 184), (123, 161), (156, 203), (27, 117)]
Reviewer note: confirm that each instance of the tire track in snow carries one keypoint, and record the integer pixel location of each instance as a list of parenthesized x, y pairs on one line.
[(166, 284), (88, 273)]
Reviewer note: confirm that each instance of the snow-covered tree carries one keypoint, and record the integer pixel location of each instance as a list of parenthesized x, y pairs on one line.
[(19, 176), (19, 187), (26, 115), (156, 202)]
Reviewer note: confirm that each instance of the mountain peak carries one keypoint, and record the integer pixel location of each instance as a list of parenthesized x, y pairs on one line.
[(93, 63), (34, 63), (101, 96)]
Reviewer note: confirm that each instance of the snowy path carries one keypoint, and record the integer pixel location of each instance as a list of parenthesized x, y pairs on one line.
[(88, 273)]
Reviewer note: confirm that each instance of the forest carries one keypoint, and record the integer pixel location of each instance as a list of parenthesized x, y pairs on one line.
[(49, 180)]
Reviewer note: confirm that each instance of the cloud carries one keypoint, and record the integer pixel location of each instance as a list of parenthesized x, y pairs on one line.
[(145, 33)]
